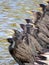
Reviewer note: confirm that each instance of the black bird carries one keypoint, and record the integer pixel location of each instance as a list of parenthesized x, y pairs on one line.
[(36, 17), (43, 9), (45, 16), (48, 2), (20, 51), (39, 42), (42, 24), (34, 36)]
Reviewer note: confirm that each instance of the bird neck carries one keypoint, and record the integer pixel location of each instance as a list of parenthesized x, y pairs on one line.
[(12, 45)]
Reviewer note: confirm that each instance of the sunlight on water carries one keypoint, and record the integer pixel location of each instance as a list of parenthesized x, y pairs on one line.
[(12, 13)]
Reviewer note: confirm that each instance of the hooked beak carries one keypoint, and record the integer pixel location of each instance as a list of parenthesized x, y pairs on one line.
[(30, 12)]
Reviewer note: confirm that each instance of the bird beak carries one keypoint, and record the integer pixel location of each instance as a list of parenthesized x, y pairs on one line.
[(39, 8), (30, 12), (32, 25)]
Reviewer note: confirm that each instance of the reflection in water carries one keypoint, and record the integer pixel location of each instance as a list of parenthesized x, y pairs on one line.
[(11, 13)]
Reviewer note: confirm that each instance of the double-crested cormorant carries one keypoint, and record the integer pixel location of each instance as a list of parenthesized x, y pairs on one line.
[(42, 28), (43, 9), (19, 50), (38, 42), (36, 16), (28, 37), (45, 19), (35, 43)]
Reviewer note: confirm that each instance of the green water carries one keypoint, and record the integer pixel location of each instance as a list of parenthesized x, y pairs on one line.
[(12, 13)]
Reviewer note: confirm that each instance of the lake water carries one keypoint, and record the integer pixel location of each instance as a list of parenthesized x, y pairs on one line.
[(12, 13)]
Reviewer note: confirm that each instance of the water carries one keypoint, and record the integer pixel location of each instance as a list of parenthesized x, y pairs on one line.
[(12, 13)]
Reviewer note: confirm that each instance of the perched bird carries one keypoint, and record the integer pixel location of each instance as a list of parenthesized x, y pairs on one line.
[(34, 33), (20, 51), (35, 16), (45, 9), (45, 19), (35, 43), (41, 28), (28, 38)]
